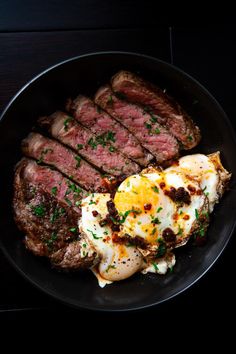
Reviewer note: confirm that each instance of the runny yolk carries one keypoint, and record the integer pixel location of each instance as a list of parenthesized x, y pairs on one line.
[(135, 193)]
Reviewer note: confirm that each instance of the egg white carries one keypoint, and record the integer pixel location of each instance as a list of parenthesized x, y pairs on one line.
[(117, 260)]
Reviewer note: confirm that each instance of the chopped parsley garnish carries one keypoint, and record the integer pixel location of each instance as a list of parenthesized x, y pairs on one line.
[(180, 212), (62, 211), (93, 234), (202, 232), (180, 231), (139, 222), (54, 236), (196, 214), (156, 221), (80, 146), (148, 126), (153, 118), (39, 210), (112, 149), (110, 136), (190, 138), (92, 143), (54, 190), (43, 153), (73, 229), (131, 245), (105, 232), (68, 201), (56, 213), (84, 245), (66, 123), (156, 131), (161, 248), (155, 189), (92, 202), (73, 188), (100, 140), (155, 266), (128, 184), (159, 209), (124, 216), (205, 213), (78, 159), (51, 240), (110, 100), (110, 267), (68, 191), (78, 202), (154, 231)]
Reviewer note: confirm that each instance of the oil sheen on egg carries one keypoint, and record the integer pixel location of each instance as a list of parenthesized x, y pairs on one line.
[(117, 260), (147, 210)]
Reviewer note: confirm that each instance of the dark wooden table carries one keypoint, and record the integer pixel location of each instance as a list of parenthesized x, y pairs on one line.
[(37, 34)]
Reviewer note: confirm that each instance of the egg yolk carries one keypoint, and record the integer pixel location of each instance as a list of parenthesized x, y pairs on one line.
[(136, 193)]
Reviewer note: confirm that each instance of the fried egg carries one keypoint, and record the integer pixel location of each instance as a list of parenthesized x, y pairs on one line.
[(207, 171), (117, 260), (149, 208), (158, 211)]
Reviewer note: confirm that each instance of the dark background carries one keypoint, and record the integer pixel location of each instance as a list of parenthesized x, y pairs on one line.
[(37, 34)]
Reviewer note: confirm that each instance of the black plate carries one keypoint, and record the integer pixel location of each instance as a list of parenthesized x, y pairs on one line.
[(48, 92)]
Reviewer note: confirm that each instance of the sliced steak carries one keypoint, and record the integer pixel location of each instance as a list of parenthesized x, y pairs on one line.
[(145, 127), (168, 112), (51, 152), (69, 132), (108, 130), (45, 217), (76, 255)]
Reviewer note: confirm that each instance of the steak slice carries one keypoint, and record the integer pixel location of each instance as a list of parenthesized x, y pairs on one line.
[(108, 130), (46, 219), (145, 127), (50, 152), (69, 132), (76, 255), (168, 112)]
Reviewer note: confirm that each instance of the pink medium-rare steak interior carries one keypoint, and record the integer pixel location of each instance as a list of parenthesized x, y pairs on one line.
[(149, 132), (51, 152), (108, 129), (70, 133)]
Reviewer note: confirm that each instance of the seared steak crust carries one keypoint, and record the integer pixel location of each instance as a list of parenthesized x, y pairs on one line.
[(49, 222), (168, 111)]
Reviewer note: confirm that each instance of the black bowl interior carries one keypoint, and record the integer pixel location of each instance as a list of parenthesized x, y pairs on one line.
[(85, 74)]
